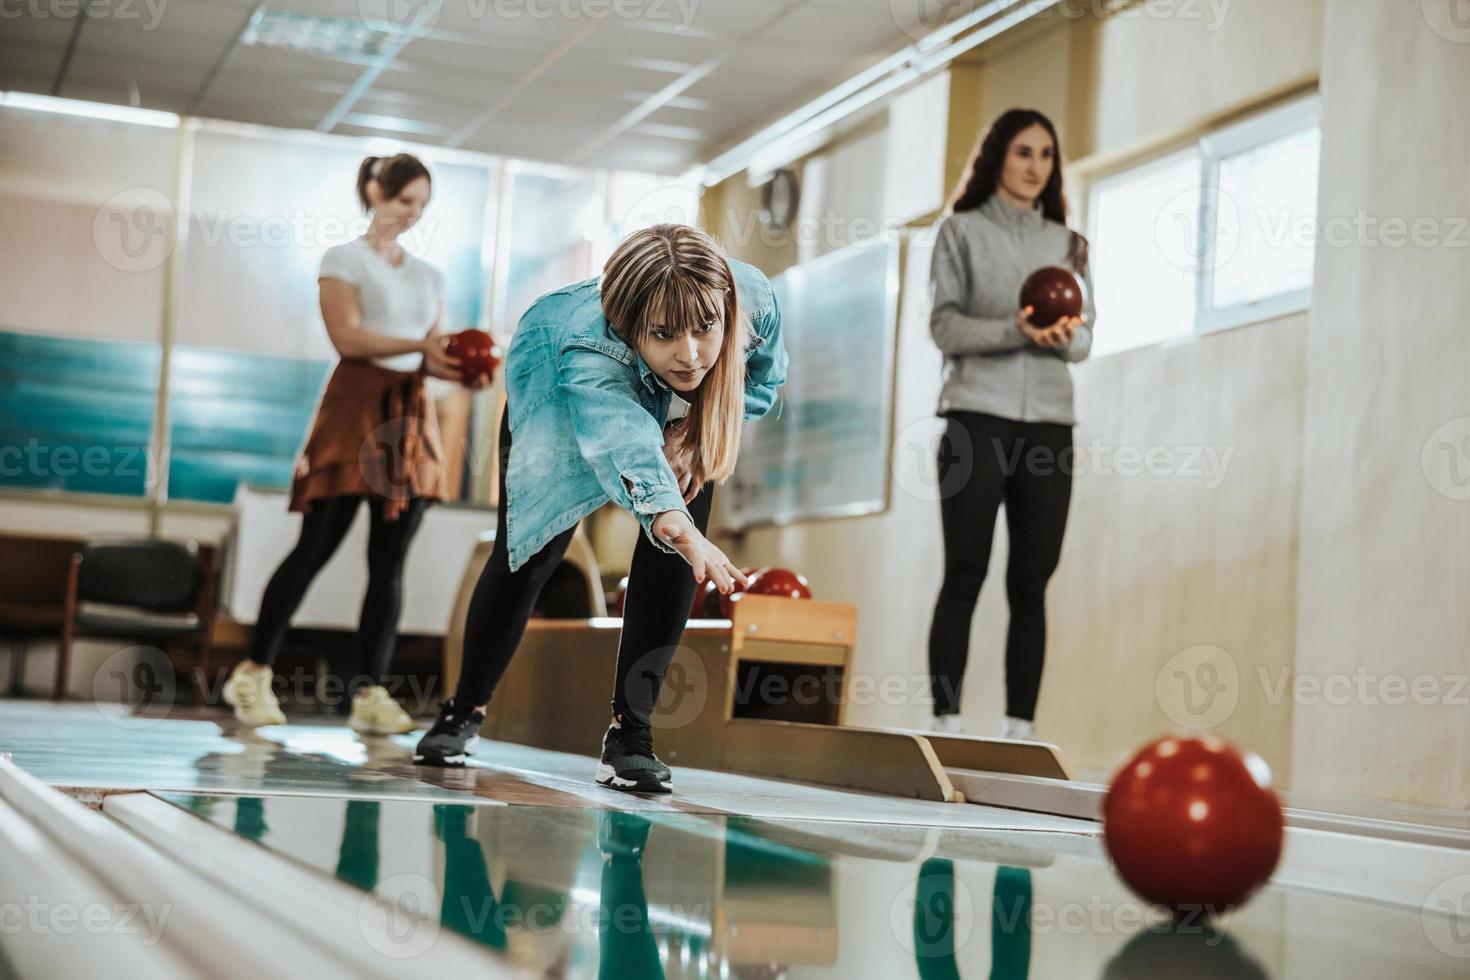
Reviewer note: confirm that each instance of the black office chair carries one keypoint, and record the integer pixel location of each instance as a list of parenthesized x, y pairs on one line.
[(140, 589)]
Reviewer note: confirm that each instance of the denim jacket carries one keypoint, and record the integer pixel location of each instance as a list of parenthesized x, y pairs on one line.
[(587, 413)]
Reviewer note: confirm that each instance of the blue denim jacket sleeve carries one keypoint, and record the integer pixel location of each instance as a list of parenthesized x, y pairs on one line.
[(618, 437), (765, 365)]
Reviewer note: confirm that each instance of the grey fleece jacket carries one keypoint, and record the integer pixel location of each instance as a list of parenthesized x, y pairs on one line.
[(981, 258)]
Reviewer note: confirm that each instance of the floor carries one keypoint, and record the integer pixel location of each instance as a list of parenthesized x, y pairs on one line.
[(541, 869)]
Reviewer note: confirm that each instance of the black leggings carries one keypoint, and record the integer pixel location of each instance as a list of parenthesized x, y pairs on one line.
[(984, 461), (322, 530), (660, 594)]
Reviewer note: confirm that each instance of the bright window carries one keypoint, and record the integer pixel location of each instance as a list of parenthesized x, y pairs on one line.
[(1215, 236)]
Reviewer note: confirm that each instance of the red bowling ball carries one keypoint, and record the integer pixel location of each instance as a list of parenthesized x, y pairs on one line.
[(1192, 824), (779, 582), (725, 604), (477, 354), (706, 601), (1053, 292)]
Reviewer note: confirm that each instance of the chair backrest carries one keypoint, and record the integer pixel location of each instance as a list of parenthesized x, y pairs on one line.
[(162, 576)]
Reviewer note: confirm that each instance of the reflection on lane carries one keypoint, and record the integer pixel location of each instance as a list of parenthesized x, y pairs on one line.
[(571, 891)]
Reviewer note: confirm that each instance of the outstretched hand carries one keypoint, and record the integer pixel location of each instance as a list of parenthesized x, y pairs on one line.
[(674, 528)]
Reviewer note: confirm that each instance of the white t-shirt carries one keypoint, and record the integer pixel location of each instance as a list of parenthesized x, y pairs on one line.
[(399, 301)]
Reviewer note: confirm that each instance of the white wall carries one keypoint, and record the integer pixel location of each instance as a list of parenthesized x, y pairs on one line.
[(85, 234), (1384, 579), (1333, 542), (1162, 67)]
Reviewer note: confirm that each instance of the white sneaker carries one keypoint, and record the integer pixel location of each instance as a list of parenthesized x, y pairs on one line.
[(249, 693), (946, 725), (1019, 729), (374, 712)]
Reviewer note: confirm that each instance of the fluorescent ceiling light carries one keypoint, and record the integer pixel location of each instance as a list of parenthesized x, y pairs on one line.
[(343, 38), (89, 110), (933, 51)]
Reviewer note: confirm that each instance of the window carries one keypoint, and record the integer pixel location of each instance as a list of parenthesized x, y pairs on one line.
[(1141, 255), (1215, 236)]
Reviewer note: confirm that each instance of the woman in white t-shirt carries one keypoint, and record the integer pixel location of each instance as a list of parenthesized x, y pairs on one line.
[(375, 438)]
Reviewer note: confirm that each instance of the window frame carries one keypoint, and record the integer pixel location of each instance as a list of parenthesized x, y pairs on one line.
[(1263, 127)]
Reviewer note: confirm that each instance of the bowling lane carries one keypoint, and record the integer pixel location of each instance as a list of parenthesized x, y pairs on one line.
[(710, 791), (576, 891), (96, 747), (92, 749)]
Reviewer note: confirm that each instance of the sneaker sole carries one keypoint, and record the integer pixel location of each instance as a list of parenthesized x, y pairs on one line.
[(457, 759), (363, 728), (227, 695), (607, 776), (253, 723)]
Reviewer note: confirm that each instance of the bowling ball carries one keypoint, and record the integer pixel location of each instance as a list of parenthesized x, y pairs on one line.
[(1054, 292), (725, 604), (478, 356), (1192, 824), (781, 582), (706, 601)]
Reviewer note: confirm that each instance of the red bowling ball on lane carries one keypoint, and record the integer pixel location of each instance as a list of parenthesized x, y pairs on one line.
[(1192, 824)]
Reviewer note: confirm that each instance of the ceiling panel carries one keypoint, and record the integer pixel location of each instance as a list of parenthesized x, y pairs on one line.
[(592, 73), (475, 20), (737, 20), (541, 87), (858, 27), (29, 59), (180, 20), (618, 39), (48, 31), (450, 61), (133, 43)]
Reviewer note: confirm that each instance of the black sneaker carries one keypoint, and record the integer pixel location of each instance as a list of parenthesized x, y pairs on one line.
[(628, 762), (453, 737)]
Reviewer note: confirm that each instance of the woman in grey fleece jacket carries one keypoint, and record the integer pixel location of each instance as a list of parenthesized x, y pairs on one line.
[(1007, 399)]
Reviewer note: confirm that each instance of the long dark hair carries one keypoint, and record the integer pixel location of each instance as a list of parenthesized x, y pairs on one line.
[(393, 174), (988, 157)]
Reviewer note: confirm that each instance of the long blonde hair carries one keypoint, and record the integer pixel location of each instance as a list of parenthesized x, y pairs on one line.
[(681, 272)]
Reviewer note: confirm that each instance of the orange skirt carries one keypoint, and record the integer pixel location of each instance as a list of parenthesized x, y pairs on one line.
[(375, 435)]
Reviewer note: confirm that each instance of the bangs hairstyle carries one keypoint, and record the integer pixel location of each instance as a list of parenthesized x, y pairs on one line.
[(681, 273)]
